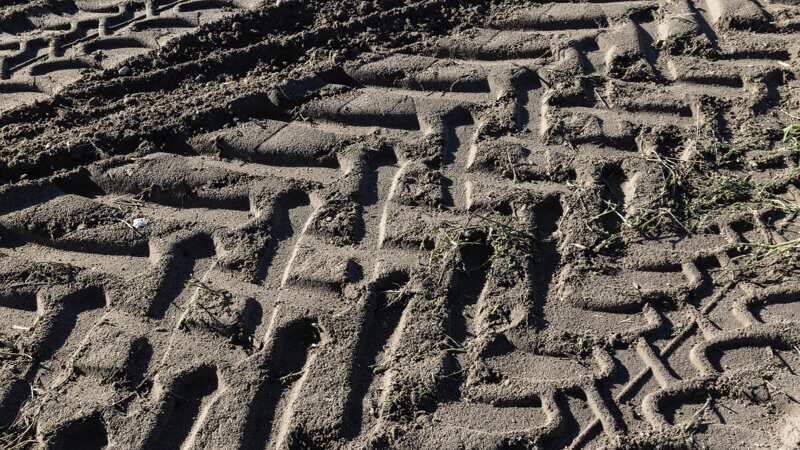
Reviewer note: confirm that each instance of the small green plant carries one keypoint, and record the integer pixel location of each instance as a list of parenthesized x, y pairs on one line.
[(502, 235), (727, 189), (791, 136), (730, 153), (692, 197), (767, 161), (290, 377), (759, 254), (396, 402), (315, 335), (646, 224)]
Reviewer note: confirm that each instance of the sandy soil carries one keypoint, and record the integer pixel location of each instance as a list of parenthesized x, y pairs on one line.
[(433, 224)]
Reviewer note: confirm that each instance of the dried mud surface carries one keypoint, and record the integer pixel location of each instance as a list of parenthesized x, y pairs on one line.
[(505, 224)]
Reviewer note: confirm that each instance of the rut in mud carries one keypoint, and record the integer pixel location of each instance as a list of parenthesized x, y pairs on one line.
[(399, 224)]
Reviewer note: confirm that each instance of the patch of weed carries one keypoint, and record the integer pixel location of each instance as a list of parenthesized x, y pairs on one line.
[(503, 235), (445, 345), (791, 136), (759, 254), (692, 194)]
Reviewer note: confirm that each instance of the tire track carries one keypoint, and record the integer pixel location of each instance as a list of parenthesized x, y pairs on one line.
[(280, 289), (91, 39)]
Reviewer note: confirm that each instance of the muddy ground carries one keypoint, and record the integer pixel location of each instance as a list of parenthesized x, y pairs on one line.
[(434, 224)]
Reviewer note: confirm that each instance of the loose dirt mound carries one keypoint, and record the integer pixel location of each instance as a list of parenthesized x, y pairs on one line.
[(398, 224)]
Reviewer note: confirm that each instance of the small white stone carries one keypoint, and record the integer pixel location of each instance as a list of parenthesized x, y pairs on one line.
[(124, 70), (140, 222)]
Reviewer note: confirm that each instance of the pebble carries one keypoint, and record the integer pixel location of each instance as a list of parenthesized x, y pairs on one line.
[(140, 222), (124, 70)]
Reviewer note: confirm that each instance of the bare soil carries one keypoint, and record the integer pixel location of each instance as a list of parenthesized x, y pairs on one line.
[(399, 224)]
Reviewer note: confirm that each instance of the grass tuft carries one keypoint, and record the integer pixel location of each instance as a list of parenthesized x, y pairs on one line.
[(692, 195), (759, 254), (503, 235)]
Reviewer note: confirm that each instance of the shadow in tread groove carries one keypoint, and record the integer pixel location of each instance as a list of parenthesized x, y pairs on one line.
[(548, 259), (457, 134), (612, 179), (200, 5), (182, 267), (182, 405), (163, 22), (289, 356), (467, 286), (55, 66), (381, 322), (289, 217), (23, 301), (88, 433), (113, 43), (15, 88), (71, 312), (568, 402)]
